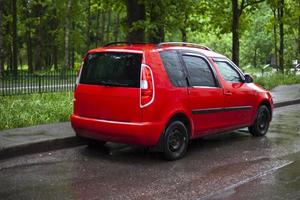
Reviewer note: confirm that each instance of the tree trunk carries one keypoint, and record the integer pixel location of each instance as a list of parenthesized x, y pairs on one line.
[(29, 49), (55, 57), (235, 32), (38, 51), (55, 26), (183, 35), (67, 34), (1, 40), (88, 27), (72, 58), (135, 12), (28, 37), (9, 60), (72, 53), (281, 33), (8, 52), (158, 33), (108, 25), (116, 31), (298, 54), (96, 39), (102, 30), (275, 38), (255, 57), (183, 29), (14, 37)]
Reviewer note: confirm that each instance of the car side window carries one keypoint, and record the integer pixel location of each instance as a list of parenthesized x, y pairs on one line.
[(174, 68), (228, 72), (199, 71)]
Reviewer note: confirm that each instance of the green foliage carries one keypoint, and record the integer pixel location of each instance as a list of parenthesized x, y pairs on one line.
[(257, 42), (96, 22), (271, 81), (28, 110)]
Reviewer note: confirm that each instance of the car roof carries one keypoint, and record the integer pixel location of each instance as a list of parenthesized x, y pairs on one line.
[(141, 47)]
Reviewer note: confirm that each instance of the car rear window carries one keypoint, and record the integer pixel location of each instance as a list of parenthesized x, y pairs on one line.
[(112, 69)]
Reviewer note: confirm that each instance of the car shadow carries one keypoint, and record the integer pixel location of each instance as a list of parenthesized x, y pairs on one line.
[(132, 153)]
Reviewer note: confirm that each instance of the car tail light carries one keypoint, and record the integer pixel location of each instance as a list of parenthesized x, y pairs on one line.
[(147, 86)]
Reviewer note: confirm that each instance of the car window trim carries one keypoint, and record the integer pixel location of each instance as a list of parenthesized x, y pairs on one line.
[(196, 54), (230, 63)]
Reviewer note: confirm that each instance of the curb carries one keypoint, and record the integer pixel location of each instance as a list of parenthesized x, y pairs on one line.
[(72, 141), (286, 103), (40, 146)]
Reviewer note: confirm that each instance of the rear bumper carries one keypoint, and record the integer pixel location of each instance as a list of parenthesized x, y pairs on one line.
[(144, 133)]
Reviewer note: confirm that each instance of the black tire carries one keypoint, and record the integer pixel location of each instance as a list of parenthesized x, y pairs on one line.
[(95, 143), (175, 141), (262, 122)]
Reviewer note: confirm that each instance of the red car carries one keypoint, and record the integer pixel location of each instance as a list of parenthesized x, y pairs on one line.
[(163, 95)]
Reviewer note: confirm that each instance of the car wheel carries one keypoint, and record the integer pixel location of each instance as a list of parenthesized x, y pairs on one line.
[(175, 141), (262, 122), (95, 143)]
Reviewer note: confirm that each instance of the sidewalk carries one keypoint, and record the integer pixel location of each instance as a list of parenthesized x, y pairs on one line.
[(286, 95), (20, 141)]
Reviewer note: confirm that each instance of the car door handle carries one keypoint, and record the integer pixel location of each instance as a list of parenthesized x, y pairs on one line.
[(227, 93)]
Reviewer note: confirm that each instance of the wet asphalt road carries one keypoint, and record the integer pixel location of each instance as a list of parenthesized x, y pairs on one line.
[(227, 166)]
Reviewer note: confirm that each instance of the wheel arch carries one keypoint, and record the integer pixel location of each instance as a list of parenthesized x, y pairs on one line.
[(265, 102), (180, 116)]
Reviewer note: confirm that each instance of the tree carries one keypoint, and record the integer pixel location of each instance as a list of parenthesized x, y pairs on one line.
[(56, 33), (277, 7), (14, 38), (274, 10), (281, 33), (237, 11), (299, 33), (135, 13), (1, 40), (27, 16), (298, 52), (190, 16), (67, 34), (298, 39), (256, 42), (157, 20), (88, 26), (54, 27)]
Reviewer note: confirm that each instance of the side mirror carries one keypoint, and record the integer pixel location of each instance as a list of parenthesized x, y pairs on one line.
[(248, 78)]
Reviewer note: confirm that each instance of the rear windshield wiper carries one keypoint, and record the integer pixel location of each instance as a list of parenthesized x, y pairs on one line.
[(111, 83)]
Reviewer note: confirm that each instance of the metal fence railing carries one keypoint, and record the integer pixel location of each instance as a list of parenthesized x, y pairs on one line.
[(26, 83)]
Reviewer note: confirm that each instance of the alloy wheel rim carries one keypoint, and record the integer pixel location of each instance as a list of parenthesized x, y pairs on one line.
[(176, 140), (262, 120)]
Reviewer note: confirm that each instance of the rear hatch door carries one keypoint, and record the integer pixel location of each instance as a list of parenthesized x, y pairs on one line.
[(109, 87)]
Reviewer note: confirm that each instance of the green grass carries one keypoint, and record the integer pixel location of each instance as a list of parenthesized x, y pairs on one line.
[(28, 110), (271, 81)]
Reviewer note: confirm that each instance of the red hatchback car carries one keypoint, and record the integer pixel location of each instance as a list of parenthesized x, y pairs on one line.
[(163, 95)]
